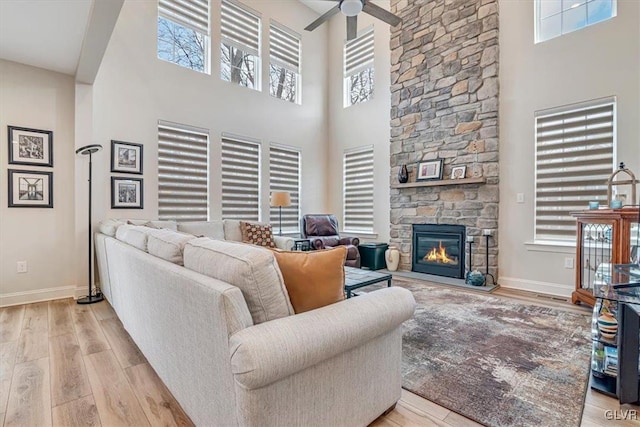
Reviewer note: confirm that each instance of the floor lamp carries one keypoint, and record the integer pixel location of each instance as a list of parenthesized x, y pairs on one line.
[(280, 199), (90, 298)]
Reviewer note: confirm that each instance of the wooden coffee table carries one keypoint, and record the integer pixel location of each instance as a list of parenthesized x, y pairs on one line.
[(355, 278)]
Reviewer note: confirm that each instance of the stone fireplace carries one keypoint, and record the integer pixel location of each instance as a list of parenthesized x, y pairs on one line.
[(438, 249), (444, 105)]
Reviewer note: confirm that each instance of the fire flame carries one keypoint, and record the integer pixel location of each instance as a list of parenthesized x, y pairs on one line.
[(439, 255)]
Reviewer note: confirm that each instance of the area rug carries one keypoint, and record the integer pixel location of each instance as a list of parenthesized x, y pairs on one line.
[(498, 362)]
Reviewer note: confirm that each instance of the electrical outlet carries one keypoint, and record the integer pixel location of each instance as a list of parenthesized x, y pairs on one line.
[(21, 266), (568, 262), (520, 198)]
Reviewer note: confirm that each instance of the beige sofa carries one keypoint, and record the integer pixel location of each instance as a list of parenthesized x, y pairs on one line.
[(214, 320)]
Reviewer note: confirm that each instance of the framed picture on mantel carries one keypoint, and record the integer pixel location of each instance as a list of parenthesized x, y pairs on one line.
[(429, 170)]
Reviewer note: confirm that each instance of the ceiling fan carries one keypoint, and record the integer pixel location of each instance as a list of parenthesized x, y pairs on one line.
[(351, 8)]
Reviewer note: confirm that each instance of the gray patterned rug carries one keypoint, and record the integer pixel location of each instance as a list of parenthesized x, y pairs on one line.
[(498, 362)]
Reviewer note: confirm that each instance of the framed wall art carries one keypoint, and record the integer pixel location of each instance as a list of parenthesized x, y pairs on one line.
[(126, 157), (32, 147), (429, 170), (127, 193), (30, 189), (458, 172)]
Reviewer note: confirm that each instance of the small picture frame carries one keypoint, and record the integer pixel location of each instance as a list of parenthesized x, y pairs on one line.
[(127, 193), (429, 170), (32, 147), (126, 157), (458, 172), (30, 189)]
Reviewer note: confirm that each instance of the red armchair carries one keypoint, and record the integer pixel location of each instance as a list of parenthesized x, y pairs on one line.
[(322, 232)]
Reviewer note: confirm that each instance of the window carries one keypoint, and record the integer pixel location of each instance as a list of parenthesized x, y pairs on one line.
[(358, 69), (284, 175), (240, 47), (240, 178), (358, 189), (284, 68), (557, 17), (183, 171), (574, 158), (183, 33)]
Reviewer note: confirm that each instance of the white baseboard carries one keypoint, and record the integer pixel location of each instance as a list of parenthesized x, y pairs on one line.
[(38, 295), (557, 289)]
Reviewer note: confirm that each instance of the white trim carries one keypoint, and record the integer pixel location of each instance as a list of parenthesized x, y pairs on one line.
[(559, 247), (556, 289), (38, 295)]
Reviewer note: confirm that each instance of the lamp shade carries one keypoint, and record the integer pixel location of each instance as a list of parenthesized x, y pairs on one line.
[(280, 199), (351, 7)]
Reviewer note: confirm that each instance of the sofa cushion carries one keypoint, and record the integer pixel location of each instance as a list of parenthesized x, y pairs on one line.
[(211, 229), (257, 234), (252, 269), (313, 279), (168, 225), (168, 245), (232, 230), (134, 235), (110, 226)]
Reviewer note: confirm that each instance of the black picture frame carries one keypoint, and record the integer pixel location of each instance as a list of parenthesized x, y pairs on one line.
[(32, 200), (117, 201), (30, 147), (429, 170), (133, 163)]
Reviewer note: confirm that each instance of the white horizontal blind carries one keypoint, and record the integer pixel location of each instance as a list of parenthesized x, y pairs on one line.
[(240, 28), (284, 47), (284, 175), (183, 171), (358, 53), (574, 158), (193, 14), (240, 179), (358, 189)]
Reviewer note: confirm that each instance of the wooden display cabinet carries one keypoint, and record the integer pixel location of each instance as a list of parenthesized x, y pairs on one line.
[(604, 237)]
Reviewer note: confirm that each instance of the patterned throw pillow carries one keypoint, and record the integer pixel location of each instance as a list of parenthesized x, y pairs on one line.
[(257, 234)]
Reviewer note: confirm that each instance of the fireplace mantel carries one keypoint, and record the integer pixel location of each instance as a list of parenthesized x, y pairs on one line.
[(441, 182)]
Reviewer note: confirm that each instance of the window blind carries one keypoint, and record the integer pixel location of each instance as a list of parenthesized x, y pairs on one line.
[(284, 47), (358, 189), (574, 158), (358, 53), (240, 179), (284, 175), (240, 28), (193, 14), (183, 170)]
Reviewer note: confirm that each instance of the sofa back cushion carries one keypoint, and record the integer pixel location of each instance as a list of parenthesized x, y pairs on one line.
[(134, 235), (168, 245), (110, 226), (252, 269), (232, 230), (211, 229), (167, 224)]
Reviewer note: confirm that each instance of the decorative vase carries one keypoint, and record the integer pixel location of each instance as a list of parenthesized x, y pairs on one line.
[(403, 175), (392, 257), (475, 278)]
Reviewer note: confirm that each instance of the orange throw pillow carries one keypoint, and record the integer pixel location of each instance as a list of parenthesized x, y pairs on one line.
[(313, 279), (257, 234)]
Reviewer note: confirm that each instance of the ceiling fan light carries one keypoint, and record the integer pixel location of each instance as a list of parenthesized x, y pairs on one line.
[(351, 7)]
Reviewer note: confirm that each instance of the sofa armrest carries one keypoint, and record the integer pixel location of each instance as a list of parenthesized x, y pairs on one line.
[(265, 353), (316, 243), (284, 243), (349, 241)]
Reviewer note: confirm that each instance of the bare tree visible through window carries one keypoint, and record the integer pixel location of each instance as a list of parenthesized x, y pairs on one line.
[(238, 66), (361, 86), (283, 83), (181, 45)]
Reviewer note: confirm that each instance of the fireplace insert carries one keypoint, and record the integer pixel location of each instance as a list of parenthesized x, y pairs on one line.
[(439, 249)]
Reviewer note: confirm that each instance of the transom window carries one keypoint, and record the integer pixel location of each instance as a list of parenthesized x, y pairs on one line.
[(240, 47), (284, 66), (183, 33), (557, 17), (574, 158), (358, 69)]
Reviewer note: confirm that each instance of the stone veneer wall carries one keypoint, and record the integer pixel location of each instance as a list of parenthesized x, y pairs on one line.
[(444, 104)]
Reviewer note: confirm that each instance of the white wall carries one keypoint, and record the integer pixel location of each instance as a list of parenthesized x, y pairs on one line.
[(362, 124), (45, 238), (594, 62), (134, 89)]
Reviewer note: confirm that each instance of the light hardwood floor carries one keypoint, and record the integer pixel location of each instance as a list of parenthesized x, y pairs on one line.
[(65, 364)]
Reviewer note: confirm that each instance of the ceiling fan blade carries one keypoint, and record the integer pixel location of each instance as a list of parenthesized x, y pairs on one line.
[(315, 24), (352, 27), (381, 14)]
